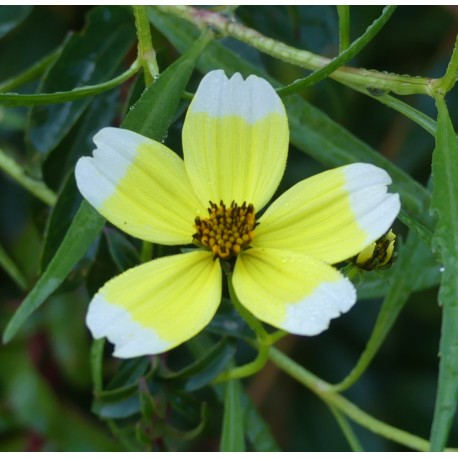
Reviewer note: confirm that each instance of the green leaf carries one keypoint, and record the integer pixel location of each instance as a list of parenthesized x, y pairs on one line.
[(8, 265), (154, 111), (201, 372), (233, 438), (123, 253), (445, 245), (72, 249), (257, 429), (312, 131), (86, 59), (11, 17), (406, 269)]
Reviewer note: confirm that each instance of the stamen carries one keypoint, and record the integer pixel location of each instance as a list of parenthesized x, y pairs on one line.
[(227, 231)]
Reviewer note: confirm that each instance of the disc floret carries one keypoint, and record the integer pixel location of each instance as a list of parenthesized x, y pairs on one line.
[(227, 231)]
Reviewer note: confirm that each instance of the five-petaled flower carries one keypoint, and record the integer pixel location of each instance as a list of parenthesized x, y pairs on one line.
[(235, 143)]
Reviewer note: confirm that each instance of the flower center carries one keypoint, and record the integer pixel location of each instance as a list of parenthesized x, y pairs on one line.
[(227, 231)]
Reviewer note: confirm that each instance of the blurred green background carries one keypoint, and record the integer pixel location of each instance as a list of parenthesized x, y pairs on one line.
[(45, 379)]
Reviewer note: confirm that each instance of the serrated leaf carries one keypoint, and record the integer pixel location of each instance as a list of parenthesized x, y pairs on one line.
[(12, 16), (445, 244), (86, 59), (72, 249)]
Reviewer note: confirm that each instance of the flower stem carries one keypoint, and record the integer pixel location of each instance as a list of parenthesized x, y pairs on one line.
[(344, 27), (323, 390), (376, 80), (146, 52), (31, 72), (24, 100)]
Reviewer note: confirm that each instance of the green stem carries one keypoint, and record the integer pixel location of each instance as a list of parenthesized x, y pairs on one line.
[(247, 369), (35, 187), (323, 390), (356, 47), (15, 100), (382, 81), (147, 252), (446, 83), (146, 52), (31, 72), (344, 27), (347, 430)]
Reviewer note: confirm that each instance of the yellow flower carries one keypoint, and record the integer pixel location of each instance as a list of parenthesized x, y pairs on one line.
[(235, 143)]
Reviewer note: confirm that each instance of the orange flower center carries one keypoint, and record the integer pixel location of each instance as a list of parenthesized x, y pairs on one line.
[(227, 231)]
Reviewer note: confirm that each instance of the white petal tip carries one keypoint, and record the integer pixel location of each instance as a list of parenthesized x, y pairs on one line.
[(253, 98), (312, 315), (129, 337)]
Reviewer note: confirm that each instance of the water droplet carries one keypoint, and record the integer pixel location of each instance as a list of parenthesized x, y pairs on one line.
[(441, 269)]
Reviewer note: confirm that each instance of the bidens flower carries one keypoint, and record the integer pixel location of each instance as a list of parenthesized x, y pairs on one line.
[(235, 143)]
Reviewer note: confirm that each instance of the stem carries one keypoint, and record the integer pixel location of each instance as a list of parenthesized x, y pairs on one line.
[(344, 27), (146, 53), (247, 369), (382, 81), (323, 390), (35, 187), (338, 62), (446, 83), (147, 252), (15, 100), (31, 72), (347, 430)]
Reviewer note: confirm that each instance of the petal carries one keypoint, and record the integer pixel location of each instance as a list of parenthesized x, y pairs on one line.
[(140, 186), (235, 140), (330, 216), (158, 305), (290, 291)]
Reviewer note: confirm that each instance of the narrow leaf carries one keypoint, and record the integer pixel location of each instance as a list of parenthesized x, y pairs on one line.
[(12, 16), (88, 58), (407, 268), (445, 244), (72, 249), (154, 111), (232, 438), (12, 270)]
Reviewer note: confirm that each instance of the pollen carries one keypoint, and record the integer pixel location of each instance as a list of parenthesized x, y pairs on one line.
[(227, 231)]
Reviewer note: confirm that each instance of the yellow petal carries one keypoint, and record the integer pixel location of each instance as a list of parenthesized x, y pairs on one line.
[(140, 186), (158, 305), (291, 291), (235, 140), (330, 216)]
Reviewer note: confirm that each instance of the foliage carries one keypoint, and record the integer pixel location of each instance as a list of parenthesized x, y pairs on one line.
[(226, 388)]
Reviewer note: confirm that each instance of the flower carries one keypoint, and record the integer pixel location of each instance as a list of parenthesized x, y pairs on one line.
[(235, 143), (377, 255)]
